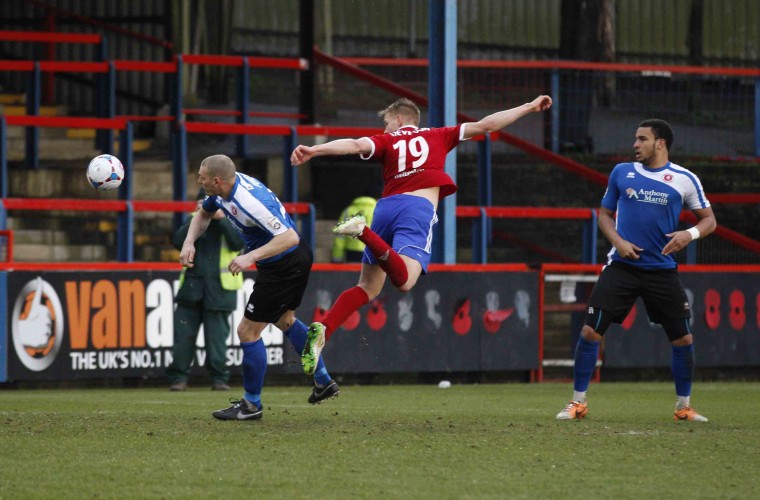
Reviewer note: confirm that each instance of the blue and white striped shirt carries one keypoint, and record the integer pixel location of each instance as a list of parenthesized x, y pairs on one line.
[(255, 211)]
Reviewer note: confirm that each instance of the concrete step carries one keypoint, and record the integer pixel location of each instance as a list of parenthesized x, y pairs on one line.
[(20, 110), (54, 145), (81, 133), (31, 252), (45, 183), (54, 149), (152, 180), (12, 98), (138, 145), (45, 133), (39, 237), (155, 185)]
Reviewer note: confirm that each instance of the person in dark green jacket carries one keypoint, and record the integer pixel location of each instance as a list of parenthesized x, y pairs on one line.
[(207, 295), (345, 248)]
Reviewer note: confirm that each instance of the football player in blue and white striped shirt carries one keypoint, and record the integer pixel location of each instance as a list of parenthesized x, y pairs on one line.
[(283, 262)]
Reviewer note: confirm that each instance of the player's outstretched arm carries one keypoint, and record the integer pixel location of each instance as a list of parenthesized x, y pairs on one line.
[(501, 119), (338, 147)]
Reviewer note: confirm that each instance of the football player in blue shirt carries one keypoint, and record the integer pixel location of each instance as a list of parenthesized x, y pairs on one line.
[(648, 196), (283, 263)]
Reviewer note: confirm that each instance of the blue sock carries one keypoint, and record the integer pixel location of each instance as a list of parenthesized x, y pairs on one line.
[(297, 335), (586, 354), (682, 365), (254, 369)]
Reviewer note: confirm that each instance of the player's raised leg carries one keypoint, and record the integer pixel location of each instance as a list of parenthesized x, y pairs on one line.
[(388, 259), (371, 282)]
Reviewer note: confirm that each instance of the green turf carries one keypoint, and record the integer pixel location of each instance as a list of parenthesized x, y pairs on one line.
[(398, 441)]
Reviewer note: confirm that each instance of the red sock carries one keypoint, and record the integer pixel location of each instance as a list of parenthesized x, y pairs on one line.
[(389, 261), (348, 302)]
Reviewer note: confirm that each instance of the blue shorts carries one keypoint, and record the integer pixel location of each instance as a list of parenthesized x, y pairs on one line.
[(406, 223)]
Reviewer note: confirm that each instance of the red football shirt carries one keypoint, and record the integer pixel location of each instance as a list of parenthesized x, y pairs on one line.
[(414, 158)]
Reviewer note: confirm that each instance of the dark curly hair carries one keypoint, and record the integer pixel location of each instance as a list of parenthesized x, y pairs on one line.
[(661, 130)]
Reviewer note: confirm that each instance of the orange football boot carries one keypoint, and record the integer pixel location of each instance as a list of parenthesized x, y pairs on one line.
[(688, 413), (575, 410)]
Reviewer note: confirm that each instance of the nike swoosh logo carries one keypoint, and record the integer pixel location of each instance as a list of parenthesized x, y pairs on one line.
[(240, 415)]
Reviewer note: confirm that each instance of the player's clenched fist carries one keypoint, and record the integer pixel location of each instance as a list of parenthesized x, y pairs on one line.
[(301, 154)]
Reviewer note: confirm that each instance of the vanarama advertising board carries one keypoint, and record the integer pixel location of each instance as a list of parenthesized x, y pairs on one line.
[(69, 325)]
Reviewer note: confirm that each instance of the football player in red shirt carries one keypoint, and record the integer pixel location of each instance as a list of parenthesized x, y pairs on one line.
[(398, 243)]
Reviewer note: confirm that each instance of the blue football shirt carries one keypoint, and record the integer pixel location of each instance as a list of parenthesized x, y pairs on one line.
[(255, 211), (648, 204)]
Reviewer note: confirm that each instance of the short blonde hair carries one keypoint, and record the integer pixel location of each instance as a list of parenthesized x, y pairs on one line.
[(404, 107), (220, 166)]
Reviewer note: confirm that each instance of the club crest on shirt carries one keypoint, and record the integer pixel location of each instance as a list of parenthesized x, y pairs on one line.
[(667, 177)]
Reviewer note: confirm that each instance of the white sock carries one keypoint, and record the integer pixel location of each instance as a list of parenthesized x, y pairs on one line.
[(579, 396), (682, 401)]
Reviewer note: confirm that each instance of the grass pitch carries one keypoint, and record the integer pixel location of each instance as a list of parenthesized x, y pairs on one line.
[(469, 441)]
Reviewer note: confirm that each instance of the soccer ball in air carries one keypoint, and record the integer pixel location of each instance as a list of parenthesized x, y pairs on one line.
[(105, 172)]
